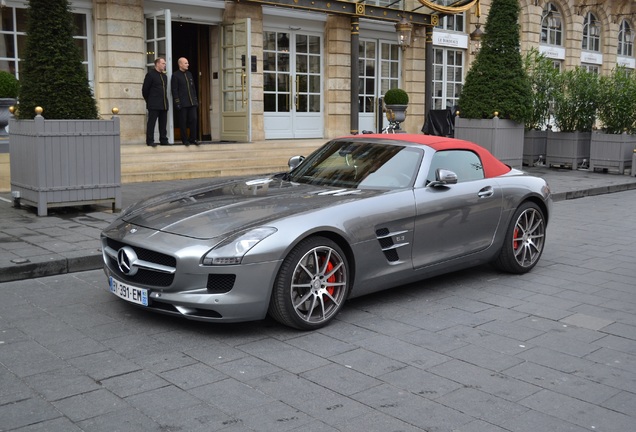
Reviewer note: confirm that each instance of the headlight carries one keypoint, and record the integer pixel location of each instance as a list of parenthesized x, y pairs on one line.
[(232, 250)]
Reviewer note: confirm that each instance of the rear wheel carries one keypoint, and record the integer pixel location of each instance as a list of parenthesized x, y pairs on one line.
[(524, 241), (312, 285)]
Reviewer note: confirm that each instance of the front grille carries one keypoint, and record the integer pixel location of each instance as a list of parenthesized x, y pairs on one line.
[(220, 283), (143, 276), (146, 254)]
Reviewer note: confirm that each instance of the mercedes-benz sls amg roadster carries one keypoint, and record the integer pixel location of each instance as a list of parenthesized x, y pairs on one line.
[(360, 214)]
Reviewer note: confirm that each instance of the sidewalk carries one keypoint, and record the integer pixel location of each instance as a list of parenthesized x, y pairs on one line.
[(67, 240)]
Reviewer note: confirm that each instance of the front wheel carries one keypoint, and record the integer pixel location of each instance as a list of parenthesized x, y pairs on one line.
[(311, 286), (524, 240)]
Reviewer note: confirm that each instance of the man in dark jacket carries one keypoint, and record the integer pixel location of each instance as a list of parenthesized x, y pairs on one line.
[(155, 93), (185, 99)]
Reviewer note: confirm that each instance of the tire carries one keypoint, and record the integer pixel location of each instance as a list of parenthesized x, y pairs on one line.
[(524, 242), (312, 285)]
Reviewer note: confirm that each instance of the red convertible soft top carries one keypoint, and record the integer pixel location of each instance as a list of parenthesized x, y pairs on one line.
[(493, 167)]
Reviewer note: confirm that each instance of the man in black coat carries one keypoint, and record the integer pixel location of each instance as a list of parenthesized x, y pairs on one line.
[(155, 93), (185, 99)]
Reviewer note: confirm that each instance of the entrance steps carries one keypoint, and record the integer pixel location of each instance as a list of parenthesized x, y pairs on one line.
[(140, 163)]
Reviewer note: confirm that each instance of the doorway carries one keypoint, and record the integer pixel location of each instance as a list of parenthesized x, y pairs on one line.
[(192, 41), (292, 84)]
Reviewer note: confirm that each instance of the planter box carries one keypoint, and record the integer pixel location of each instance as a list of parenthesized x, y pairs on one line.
[(612, 152), (534, 146), (502, 138), (569, 149), (58, 163)]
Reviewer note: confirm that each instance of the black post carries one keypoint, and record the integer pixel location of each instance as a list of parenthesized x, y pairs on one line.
[(428, 72), (355, 75), (379, 117)]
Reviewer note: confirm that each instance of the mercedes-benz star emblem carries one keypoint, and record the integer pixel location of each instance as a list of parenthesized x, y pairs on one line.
[(126, 260)]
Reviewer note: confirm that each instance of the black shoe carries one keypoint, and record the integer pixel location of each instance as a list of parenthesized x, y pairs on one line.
[(195, 142), (151, 144), (167, 144)]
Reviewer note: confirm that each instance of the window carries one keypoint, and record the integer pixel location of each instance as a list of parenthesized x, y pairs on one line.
[(451, 22), (625, 40), (551, 26), (389, 67), (13, 27), (591, 33), (591, 68), (448, 74), (464, 163), (367, 58)]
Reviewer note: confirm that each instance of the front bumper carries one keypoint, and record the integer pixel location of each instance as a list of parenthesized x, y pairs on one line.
[(179, 285)]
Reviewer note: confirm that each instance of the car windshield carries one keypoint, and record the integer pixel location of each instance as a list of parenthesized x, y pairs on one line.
[(359, 164)]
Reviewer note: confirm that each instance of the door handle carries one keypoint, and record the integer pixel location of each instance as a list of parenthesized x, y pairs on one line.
[(243, 80), (296, 94), (486, 192)]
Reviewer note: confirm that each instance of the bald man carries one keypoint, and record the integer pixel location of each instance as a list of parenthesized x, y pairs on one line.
[(186, 102)]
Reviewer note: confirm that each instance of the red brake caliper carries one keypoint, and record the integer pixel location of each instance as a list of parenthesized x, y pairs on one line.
[(515, 241), (331, 278)]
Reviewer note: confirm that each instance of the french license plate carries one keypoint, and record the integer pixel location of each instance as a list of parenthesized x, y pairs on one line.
[(129, 292)]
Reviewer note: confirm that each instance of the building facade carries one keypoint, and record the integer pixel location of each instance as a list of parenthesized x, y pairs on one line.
[(279, 69)]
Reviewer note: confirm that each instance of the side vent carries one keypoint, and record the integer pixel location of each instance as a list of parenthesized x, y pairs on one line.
[(389, 247)]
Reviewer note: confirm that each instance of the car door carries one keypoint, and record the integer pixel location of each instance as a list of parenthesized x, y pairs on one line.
[(455, 220)]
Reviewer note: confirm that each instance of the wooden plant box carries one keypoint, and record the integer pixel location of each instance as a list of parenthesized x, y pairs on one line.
[(60, 163)]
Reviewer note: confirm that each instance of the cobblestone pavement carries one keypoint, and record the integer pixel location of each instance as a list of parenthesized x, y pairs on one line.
[(553, 350)]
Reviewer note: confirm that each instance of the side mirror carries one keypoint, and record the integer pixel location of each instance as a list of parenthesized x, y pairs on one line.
[(443, 177), (294, 161)]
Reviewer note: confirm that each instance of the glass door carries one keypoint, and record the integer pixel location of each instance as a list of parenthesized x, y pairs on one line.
[(236, 64), (292, 85), (379, 65), (159, 44)]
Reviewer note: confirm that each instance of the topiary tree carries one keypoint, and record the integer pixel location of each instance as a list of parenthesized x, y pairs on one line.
[(9, 85), (496, 80), (396, 96), (543, 78), (52, 74)]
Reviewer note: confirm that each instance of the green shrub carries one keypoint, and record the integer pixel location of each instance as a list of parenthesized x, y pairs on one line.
[(52, 74), (617, 101), (9, 85), (496, 80), (575, 100), (396, 96)]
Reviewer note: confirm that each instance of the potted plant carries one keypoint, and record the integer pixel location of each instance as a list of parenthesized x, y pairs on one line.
[(543, 76), (612, 148), (65, 155), (575, 100), (396, 102), (496, 97), (9, 87)]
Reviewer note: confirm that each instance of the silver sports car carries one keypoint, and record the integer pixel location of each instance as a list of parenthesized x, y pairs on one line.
[(361, 214)]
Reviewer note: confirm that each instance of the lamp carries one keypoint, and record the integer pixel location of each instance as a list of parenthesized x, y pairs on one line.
[(554, 20), (404, 30), (475, 37), (594, 29)]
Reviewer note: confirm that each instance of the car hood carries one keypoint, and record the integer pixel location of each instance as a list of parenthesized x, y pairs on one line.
[(224, 207)]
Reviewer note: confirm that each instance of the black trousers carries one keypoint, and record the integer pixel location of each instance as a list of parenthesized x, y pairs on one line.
[(188, 120), (153, 116)]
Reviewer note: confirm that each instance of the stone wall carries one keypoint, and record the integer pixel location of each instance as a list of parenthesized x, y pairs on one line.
[(120, 64)]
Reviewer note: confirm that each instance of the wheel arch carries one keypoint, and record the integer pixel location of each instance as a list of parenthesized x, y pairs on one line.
[(342, 243), (540, 203)]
